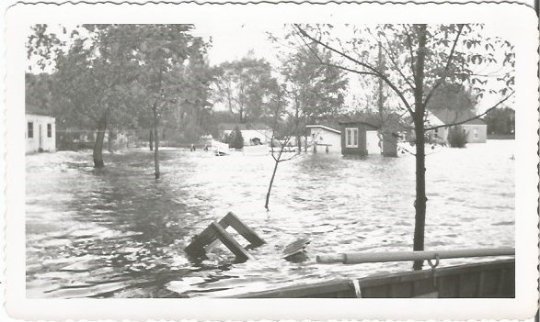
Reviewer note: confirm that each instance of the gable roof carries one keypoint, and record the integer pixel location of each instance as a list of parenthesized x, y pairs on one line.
[(448, 116), (329, 129), (392, 120)]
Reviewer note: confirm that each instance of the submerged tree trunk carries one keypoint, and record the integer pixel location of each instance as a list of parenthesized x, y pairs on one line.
[(271, 183), (151, 139), (110, 141), (98, 145), (421, 199), (156, 141), (297, 123)]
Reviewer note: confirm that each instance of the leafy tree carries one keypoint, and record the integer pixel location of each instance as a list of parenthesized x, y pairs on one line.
[(244, 85), (501, 121), (421, 58), (236, 140), (457, 137), (316, 89)]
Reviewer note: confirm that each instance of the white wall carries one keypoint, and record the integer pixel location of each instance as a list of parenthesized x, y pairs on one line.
[(40, 139), (476, 133), (373, 144), (324, 137)]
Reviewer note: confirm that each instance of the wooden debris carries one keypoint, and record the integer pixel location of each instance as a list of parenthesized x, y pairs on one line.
[(296, 251), (216, 231)]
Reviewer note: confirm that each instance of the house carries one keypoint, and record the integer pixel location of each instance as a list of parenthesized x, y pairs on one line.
[(40, 133), (252, 133), (325, 138), (476, 129), (365, 134)]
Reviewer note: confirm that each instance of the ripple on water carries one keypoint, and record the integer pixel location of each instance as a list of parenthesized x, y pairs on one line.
[(118, 232)]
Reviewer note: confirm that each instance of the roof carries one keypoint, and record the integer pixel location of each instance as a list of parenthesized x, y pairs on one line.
[(329, 129), (243, 126), (35, 110), (392, 120), (448, 116)]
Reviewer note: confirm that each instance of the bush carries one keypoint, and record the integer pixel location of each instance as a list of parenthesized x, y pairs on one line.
[(457, 137), (236, 141)]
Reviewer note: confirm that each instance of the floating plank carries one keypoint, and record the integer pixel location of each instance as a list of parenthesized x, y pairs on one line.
[(229, 242), (250, 235)]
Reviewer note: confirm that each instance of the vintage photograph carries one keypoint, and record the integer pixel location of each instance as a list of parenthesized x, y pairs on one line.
[(292, 161)]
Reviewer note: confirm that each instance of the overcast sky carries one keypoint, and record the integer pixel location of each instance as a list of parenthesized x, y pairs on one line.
[(234, 41)]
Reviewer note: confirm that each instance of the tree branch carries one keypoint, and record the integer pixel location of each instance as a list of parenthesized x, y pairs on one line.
[(365, 65), (472, 118), (446, 68)]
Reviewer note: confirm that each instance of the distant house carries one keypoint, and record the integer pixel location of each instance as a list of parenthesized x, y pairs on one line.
[(253, 133), (325, 138), (367, 134), (40, 133), (476, 129)]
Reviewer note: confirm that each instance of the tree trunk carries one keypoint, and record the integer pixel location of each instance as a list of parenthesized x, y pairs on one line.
[(271, 183), (297, 123), (98, 145), (110, 142), (151, 139), (421, 199), (156, 143)]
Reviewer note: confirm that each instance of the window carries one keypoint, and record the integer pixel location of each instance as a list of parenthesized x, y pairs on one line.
[(30, 130), (49, 130), (351, 137), (475, 133)]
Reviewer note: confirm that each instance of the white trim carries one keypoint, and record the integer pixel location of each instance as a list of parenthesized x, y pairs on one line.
[(353, 131), (324, 128)]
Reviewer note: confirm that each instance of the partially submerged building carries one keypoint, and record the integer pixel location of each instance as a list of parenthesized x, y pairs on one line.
[(40, 131), (325, 138), (475, 128), (365, 134)]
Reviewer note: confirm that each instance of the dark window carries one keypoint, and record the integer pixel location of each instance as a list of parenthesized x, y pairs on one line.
[(30, 130), (49, 130)]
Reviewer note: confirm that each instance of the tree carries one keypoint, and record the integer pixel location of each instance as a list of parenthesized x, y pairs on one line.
[(287, 130), (421, 59), (160, 52), (243, 86), (236, 139), (501, 121), (316, 90), (88, 76)]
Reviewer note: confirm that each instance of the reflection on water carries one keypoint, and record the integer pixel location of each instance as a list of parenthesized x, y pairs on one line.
[(118, 232)]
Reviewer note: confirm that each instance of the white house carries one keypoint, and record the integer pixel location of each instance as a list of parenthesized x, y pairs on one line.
[(253, 134), (476, 129), (40, 133), (325, 139)]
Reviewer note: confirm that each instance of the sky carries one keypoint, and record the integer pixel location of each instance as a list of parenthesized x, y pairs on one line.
[(234, 41), (231, 42)]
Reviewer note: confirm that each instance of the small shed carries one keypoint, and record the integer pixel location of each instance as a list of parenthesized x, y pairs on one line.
[(354, 137), (40, 133), (367, 134), (325, 138)]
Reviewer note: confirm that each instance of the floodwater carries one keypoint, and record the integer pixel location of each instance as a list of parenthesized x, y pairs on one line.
[(117, 232)]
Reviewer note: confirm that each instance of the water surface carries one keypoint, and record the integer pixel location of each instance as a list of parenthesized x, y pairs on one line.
[(117, 232)]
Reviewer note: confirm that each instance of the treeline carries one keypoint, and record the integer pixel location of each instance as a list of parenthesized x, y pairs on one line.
[(154, 77)]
